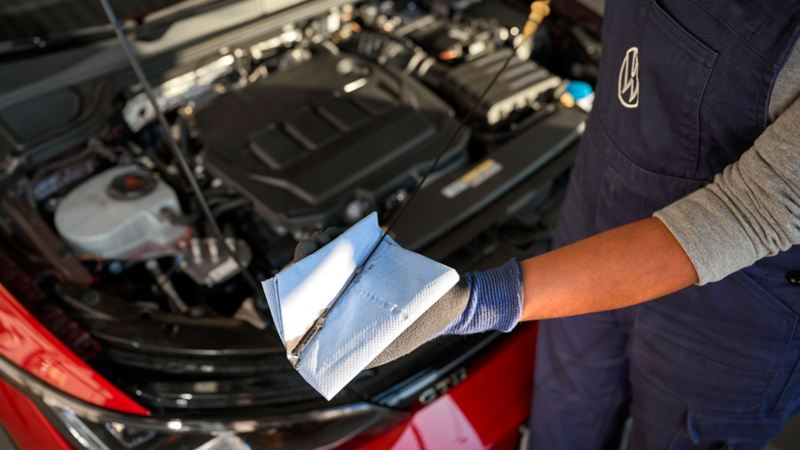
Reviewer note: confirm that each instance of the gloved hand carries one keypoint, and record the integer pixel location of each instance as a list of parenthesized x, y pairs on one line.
[(480, 301)]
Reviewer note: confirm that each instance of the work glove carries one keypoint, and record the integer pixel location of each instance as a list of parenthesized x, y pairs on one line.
[(479, 302)]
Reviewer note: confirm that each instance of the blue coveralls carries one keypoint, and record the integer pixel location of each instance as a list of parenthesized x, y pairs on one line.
[(683, 91)]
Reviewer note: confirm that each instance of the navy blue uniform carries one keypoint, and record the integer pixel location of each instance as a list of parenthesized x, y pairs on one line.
[(683, 91)]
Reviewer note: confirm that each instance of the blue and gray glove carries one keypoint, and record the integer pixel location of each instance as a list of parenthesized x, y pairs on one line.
[(479, 302)]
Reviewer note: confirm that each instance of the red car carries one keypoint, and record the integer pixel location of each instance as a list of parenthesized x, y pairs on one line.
[(126, 323)]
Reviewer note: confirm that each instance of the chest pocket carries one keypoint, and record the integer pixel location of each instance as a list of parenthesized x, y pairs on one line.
[(651, 88)]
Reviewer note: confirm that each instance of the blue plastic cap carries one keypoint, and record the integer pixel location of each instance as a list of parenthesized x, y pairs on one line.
[(579, 89)]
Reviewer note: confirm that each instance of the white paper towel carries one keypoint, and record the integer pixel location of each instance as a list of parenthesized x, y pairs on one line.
[(396, 287)]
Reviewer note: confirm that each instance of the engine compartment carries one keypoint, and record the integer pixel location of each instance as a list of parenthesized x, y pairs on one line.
[(312, 126)]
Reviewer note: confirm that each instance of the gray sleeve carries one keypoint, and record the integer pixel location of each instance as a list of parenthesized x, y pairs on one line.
[(750, 211)]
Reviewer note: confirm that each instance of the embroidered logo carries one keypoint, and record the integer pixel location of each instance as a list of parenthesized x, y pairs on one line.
[(628, 83)]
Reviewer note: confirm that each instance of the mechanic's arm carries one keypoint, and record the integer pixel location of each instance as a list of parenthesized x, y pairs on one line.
[(752, 210), (620, 267)]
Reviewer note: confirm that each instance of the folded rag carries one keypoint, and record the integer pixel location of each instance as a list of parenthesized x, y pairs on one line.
[(395, 288)]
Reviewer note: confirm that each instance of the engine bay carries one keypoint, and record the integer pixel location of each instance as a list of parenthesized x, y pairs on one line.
[(313, 126)]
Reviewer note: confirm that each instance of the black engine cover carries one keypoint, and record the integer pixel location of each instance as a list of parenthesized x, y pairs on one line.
[(304, 142)]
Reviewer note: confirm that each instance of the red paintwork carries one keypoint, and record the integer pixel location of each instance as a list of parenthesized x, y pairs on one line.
[(28, 427), (29, 345), (483, 412)]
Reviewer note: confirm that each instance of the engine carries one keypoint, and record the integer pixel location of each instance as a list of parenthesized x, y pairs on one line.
[(314, 125), (326, 140)]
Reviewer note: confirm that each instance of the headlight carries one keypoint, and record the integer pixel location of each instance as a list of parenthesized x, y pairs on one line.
[(89, 426), (332, 428)]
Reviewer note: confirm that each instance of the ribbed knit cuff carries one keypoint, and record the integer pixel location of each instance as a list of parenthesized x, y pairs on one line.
[(495, 301)]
